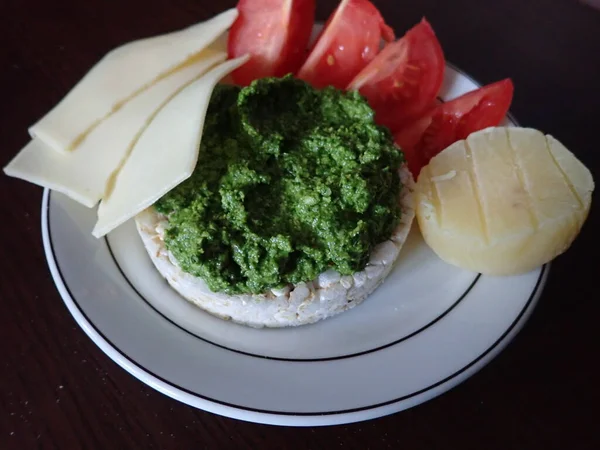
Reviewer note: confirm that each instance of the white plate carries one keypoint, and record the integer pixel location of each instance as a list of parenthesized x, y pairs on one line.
[(426, 329)]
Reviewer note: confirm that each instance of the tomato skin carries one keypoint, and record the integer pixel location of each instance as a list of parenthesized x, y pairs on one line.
[(403, 80), (349, 40), (275, 33), (408, 138), (444, 124)]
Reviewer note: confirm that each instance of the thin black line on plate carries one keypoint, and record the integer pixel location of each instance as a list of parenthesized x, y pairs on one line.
[(283, 413), (275, 358)]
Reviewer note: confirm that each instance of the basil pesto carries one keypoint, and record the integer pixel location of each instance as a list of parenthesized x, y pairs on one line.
[(290, 181)]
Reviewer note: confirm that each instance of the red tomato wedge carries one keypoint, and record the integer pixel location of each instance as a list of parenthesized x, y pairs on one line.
[(408, 139), (275, 33), (349, 40), (404, 78), (449, 122)]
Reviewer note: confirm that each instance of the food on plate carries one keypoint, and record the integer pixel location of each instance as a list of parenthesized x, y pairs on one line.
[(403, 80), (451, 121), (276, 188), (349, 40), (121, 75), (296, 211), (275, 33), (84, 175), (164, 155), (504, 201)]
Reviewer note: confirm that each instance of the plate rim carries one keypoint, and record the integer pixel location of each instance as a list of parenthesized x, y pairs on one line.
[(244, 413)]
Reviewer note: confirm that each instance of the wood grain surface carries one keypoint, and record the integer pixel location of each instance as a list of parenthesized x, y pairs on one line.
[(59, 391)]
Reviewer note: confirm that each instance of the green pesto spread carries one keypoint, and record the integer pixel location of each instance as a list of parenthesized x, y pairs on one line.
[(290, 181)]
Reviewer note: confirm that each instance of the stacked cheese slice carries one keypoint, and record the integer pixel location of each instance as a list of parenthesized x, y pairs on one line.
[(129, 131)]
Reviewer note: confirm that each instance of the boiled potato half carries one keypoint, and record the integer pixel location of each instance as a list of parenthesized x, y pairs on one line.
[(504, 201)]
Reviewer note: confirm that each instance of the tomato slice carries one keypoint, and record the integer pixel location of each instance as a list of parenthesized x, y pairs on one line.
[(408, 139), (349, 40), (449, 122), (275, 33), (404, 79)]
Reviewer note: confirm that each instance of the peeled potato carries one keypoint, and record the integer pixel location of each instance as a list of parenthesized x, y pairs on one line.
[(504, 201)]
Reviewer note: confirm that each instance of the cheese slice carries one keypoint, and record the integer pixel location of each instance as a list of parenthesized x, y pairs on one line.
[(504, 201), (83, 175), (165, 154), (119, 76)]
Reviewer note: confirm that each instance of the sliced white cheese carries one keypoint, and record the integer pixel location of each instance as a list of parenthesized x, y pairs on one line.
[(220, 43), (83, 175), (119, 76), (165, 154), (37, 163)]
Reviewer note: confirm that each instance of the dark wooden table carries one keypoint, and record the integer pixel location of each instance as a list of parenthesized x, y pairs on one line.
[(58, 390)]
